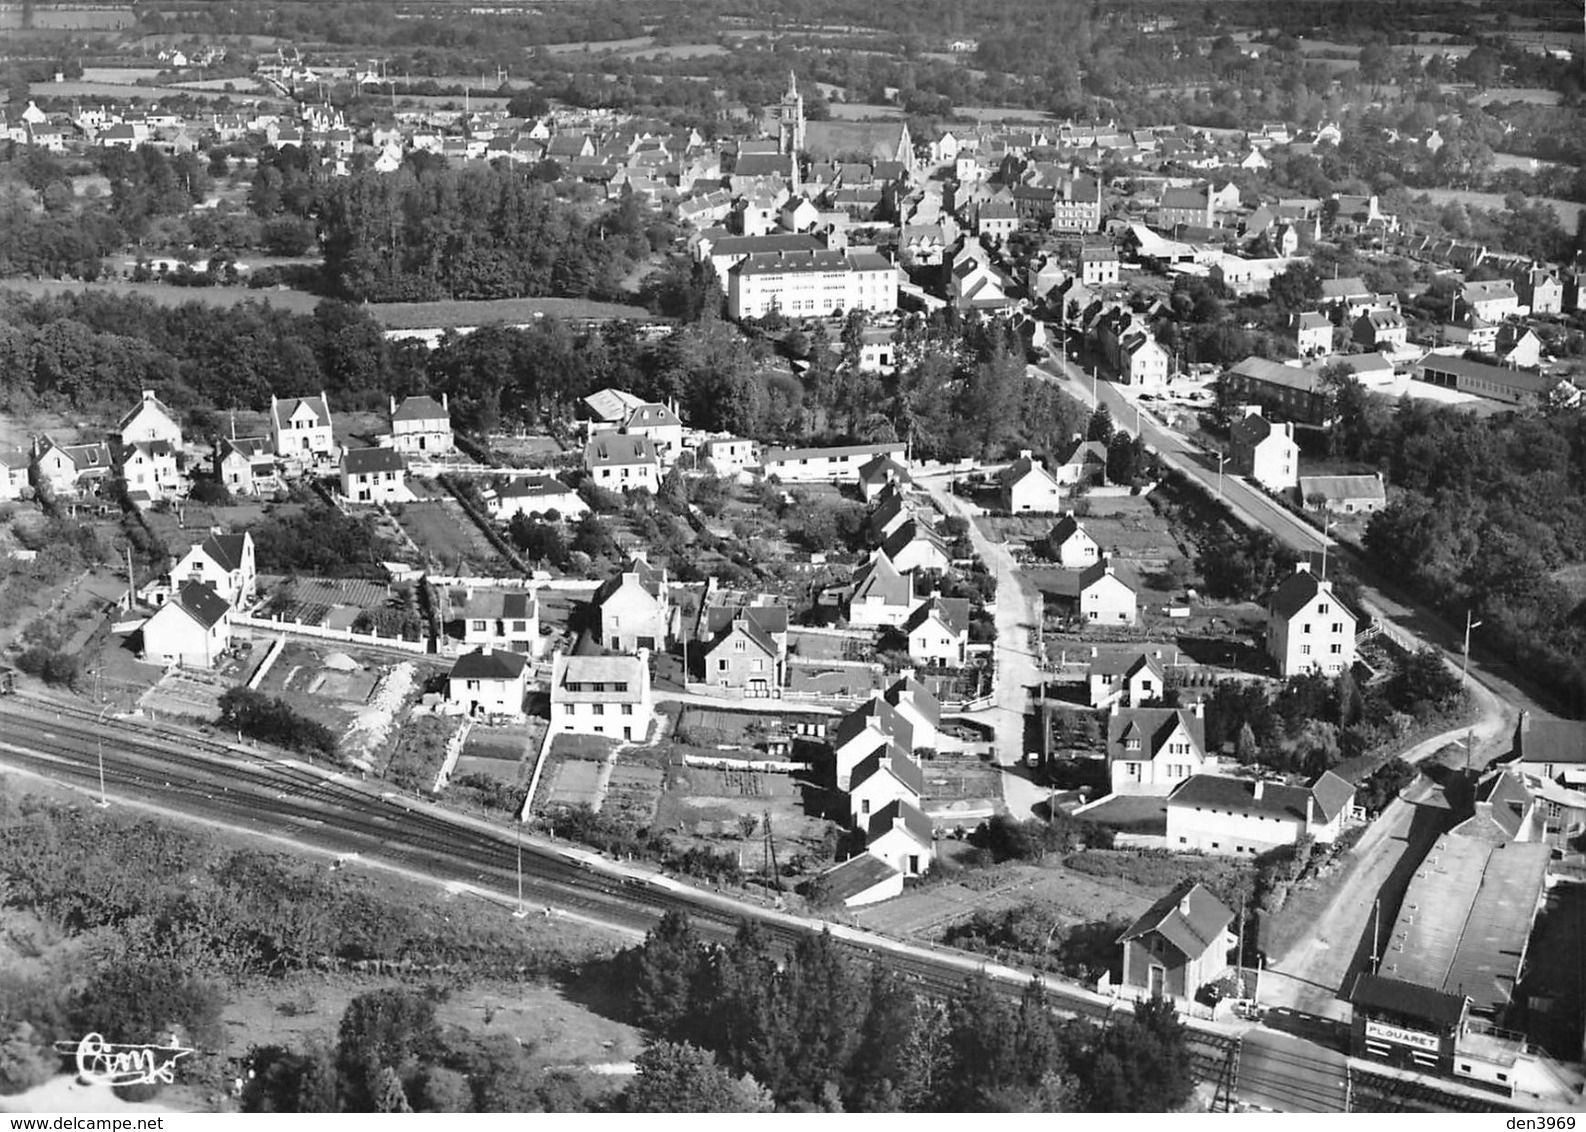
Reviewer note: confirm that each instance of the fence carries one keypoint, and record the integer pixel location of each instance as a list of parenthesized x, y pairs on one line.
[(276, 648), (278, 625), (770, 766), (534, 779), (454, 748)]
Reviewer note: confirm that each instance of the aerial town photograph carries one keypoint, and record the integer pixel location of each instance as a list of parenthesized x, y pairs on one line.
[(792, 556)]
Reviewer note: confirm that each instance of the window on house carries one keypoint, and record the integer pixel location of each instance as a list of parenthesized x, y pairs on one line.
[(1306, 628), (598, 709), (721, 666), (1338, 626), (473, 685), (1305, 650), (627, 709), (1323, 609)]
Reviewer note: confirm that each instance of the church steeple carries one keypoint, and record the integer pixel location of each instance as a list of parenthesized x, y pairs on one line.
[(790, 118)]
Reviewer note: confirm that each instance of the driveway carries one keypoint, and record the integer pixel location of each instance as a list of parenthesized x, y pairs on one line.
[(1017, 672)]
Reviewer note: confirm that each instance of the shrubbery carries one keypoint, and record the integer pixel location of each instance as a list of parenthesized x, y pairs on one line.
[(273, 720)]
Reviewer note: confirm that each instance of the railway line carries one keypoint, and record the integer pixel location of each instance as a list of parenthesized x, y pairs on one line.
[(208, 779)]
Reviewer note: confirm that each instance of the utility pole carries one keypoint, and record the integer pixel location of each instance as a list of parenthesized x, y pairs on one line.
[(770, 849), (1327, 525), (1464, 667), (521, 912), (1222, 459), (99, 735)]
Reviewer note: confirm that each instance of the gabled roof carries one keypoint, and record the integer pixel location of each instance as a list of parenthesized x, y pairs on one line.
[(1343, 487), (651, 414), (494, 665), (1126, 662), (285, 409), (1253, 428), (880, 578), (1024, 466), (1152, 726), (952, 612), (501, 605), (534, 487), (912, 531), (362, 461), (1238, 795), (929, 707), (768, 619), (1189, 917), (754, 633), (1094, 573), (856, 876), (1559, 741), (887, 759), (590, 665), (200, 602), (882, 468), (619, 448), (1332, 794), (422, 408), (250, 448), (875, 714), (1066, 528), (1395, 996), (639, 574), (1084, 452), (915, 823), (148, 402), (226, 551), (612, 405)]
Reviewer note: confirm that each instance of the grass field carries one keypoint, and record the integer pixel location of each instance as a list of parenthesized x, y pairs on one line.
[(1568, 211), (298, 302), (423, 316), (445, 534)]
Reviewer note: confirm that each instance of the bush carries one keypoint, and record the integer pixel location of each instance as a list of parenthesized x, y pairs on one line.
[(273, 721)]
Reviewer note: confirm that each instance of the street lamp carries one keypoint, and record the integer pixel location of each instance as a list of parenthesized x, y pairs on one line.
[(1327, 525), (1222, 458), (1464, 668), (99, 736)]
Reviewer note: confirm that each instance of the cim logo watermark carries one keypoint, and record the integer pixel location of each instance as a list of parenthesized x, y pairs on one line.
[(106, 1063)]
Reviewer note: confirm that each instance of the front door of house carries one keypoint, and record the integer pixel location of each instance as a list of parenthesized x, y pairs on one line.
[(1158, 981)]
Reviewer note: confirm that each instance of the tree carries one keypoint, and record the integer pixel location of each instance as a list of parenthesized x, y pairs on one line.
[(678, 1077), (667, 967), (1245, 749), (26, 1060), (383, 1033), (1101, 427)]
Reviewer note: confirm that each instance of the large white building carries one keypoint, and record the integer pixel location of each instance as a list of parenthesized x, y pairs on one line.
[(1308, 628), (602, 694), (1210, 813), (813, 284)]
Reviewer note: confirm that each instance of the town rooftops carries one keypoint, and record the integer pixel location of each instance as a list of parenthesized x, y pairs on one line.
[(1296, 591), (888, 758), (807, 262), (1276, 373), (1523, 380), (492, 665), (200, 602), (901, 813), (762, 245), (855, 876), (1189, 917), (846, 451), (500, 605), (363, 461), (612, 405), (533, 487)]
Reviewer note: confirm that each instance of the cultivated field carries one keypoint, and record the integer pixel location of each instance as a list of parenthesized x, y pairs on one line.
[(445, 534)]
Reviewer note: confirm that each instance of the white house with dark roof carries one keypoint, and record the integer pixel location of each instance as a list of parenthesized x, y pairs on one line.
[(917, 707), (1071, 545), (938, 632), (374, 475), (1105, 598), (1264, 450), (881, 778), (1492, 299), (489, 682), (246, 464), (70, 469), (150, 470), (814, 465), (660, 425), (192, 629), (1126, 678), (876, 475), (1345, 495), (1026, 485), (1308, 628), (1212, 813), (302, 428), (150, 420), (501, 619), (1178, 945), (915, 546), (859, 881), (743, 657), (620, 462), (890, 511), (634, 609), (537, 496), (14, 465), (1085, 461), (728, 455), (422, 427), (224, 563), (602, 694), (882, 597), (606, 409), (1313, 334), (1153, 750), (903, 837), (874, 723)]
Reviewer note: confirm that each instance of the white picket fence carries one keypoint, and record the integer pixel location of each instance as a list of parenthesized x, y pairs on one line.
[(320, 632)]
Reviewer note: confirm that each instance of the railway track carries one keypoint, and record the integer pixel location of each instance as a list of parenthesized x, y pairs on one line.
[(211, 780)]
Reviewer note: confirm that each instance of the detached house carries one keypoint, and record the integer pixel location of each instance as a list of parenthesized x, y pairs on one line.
[(917, 707), (744, 656), (224, 563), (1308, 628), (1154, 750), (374, 475), (420, 427), (487, 682), (620, 462), (246, 465), (1105, 598), (538, 496), (1383, 330), (1492, 300), (878, 474), (1541, 290), (150, 420), (1130, 679), (14, 463), (501, 619), (938, 632), (1026, 485), (70, 469), (1179, 945), (875, 723), (150, 470), (193, 628), (602, 694), (1265, 451), (915, 546), (1085, 461), (1071, 545), (658, 424), (882, 597), (634, 609), (302, 428)]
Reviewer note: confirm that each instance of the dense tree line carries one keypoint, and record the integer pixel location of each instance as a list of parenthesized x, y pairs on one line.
[(1486, 514), (820, 1033), (473, 233), (273, 720)]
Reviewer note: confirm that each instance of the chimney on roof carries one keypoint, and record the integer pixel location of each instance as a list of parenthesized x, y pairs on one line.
[(1198, 709), (1302, 567), (1260, 788), (485, 649), (1310, 809), (1184, 902), (393, 406)]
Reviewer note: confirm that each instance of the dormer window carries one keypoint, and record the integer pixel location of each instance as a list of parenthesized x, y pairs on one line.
[(1131, 744)]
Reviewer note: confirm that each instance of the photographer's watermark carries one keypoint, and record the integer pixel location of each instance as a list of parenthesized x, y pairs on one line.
[(106, 1063)]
